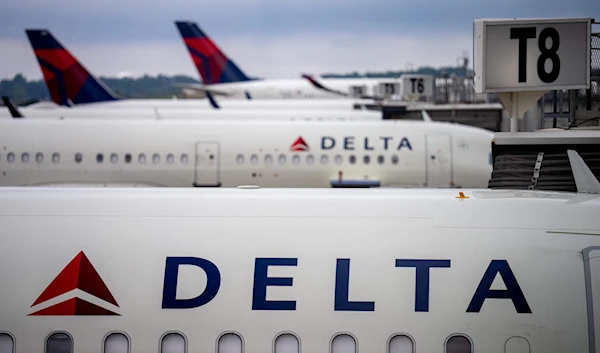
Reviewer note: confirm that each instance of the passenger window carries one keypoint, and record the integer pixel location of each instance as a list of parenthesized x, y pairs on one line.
[(458, 344), (142, 158), (173, 343), (239, 159), (184, 158), (55, 158), (7, 344), (395, 159), (25, 157), (343, 343), (401, 344), (282, 159), (99, 158), (517, 344), (268, 159), (352, 159), (338, 159), (170, 158), (296, 159), (367, 159), (156, 158), (324, 159), (380, 159), (230, 343), (116, 343), (287, 343), (59, 343), (39, 157), (10, 157), (254, 159), (114, 158), (127, 158), (310, 159)]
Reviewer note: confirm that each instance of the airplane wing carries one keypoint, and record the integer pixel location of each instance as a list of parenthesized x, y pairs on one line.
[(202, 88), (12, 108), (320, 86)]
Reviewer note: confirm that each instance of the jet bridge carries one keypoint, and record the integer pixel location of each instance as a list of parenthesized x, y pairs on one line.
[(539, 160)]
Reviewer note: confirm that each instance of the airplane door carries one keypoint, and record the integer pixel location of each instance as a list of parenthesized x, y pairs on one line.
[(591, 265), (207, 164), (439, 160)]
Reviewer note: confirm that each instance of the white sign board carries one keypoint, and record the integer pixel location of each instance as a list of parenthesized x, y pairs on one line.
[(420, 86), (531, 55)]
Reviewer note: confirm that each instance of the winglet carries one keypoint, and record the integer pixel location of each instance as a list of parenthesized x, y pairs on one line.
[(212, 100), (426, 116), (585, 180), (12, 108)]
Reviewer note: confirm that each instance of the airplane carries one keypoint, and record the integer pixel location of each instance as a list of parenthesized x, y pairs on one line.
[(185, 153), (71, 85), (221, 76), (122, 270)]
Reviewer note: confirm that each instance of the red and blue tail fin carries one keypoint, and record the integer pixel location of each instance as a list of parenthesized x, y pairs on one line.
[(212, 64), (67, 80)]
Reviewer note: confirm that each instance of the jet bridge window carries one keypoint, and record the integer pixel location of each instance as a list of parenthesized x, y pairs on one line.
[(78, 157), (25, 157), (116, 342), (39, 157), (55, 158), (7, 343), (99, 158), (287, 343), (59, 342), (401, 344), (458, 344), (173, 342), (343, 343), (230, 343)]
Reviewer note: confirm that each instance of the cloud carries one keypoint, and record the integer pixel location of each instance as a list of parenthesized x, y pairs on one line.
[(277, 57)]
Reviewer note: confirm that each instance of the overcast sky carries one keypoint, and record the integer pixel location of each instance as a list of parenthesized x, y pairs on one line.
[(266, 38)]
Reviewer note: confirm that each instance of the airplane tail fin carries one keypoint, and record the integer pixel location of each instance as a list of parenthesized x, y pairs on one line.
[(67, 80), (212, 64)]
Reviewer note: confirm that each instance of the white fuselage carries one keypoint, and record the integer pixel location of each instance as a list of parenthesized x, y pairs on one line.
[(341, 271), (183, 152)]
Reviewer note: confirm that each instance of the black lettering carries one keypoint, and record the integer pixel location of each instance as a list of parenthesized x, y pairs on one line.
[(548, 53), (412, 81), (522, 34), (420, 86)]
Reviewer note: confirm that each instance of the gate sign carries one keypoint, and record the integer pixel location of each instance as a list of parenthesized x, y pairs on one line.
[(417, 85), (531, 55)]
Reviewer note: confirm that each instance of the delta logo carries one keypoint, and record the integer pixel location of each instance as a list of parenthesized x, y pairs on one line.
[(77, 277), (299, 145)]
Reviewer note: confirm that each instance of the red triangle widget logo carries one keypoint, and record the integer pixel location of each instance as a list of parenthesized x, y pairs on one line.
[(78, 274), (299, 145)]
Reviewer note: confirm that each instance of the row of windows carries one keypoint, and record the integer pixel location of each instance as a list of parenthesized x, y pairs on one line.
[(230, 342), (311, 159), (113, 158)]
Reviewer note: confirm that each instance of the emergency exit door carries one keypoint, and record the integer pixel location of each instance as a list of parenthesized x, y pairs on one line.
[(591, 266), (439, 160), (207, 164)]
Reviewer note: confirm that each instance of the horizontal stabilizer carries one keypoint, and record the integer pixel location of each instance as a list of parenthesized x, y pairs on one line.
[(322, 87)]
